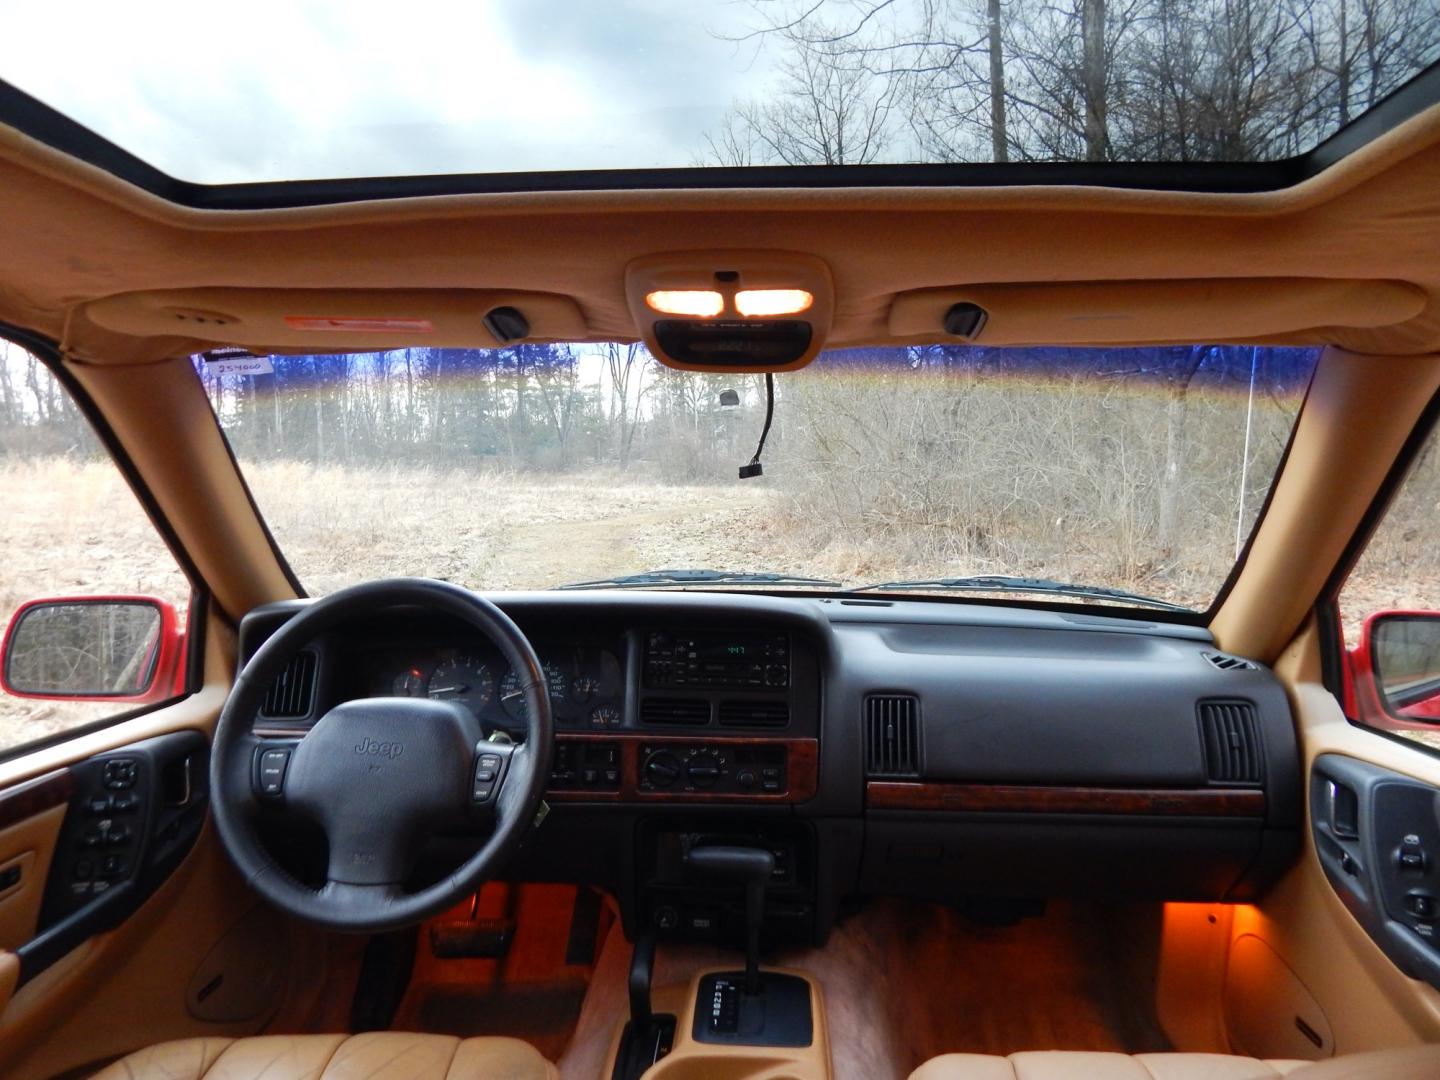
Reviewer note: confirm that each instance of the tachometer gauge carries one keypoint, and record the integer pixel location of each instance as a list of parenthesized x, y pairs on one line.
[(464, 679), (512, 696)]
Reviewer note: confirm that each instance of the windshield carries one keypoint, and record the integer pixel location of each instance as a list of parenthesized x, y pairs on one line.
[(964, 470), (306, 89)]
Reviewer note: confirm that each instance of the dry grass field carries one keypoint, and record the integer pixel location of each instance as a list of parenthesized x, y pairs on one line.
[(73, 529)]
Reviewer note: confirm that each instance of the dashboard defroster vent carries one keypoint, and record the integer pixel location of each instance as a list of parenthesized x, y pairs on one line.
[(1232, 742), (674, 711), (293, 690), (1226, 662), (754, 714), (892, 736)]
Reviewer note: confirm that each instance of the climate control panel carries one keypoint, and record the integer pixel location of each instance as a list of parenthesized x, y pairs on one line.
[(716, 768)]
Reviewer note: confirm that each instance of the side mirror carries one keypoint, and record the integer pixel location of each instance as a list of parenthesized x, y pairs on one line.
[(1397, 668), (115, 648)]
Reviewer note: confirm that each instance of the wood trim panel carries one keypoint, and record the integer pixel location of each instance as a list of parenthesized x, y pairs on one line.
[(35, 796), (802, 770), (1038, 799)]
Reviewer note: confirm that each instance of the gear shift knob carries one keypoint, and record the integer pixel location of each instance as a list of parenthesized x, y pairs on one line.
[(745, 864), (751, 867)]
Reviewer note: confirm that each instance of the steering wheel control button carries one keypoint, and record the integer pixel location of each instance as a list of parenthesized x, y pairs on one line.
[(488, 768), (270, 769)]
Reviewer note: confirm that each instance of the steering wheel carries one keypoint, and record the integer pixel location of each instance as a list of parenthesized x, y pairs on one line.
[(379, 775)]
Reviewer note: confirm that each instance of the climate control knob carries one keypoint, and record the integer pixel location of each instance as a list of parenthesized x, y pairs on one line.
[(703, 770), (662, 768)]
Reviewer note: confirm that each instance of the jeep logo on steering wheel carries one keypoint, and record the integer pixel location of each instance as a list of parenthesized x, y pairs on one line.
[(380, 749)]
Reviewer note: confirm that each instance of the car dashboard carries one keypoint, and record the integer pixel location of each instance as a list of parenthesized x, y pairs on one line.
[(875, 746)]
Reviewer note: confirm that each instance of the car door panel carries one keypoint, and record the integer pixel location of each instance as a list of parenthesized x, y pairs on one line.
[(98, 975), (132, 815), (1368, 1001), (32, 815), (1377, 835)]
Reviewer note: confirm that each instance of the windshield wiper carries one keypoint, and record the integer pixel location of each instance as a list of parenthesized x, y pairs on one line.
[(654, 578), (1004, 583)]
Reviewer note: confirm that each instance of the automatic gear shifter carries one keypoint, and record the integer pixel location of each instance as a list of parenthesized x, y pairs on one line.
[(752, 867), (773, 1010)]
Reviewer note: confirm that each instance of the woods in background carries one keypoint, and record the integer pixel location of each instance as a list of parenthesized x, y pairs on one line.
[(865, 81)]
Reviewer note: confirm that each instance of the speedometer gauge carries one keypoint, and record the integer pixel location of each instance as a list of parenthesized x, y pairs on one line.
[(512, 695), (464, 679)]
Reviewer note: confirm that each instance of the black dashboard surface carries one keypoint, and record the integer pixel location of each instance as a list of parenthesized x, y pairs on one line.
[(926, 748)]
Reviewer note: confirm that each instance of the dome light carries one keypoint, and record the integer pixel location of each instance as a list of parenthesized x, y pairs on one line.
[(696, 302), (753, 302)]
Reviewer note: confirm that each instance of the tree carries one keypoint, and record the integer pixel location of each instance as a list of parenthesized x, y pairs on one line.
[(829, 110), (1074, 80), (625, 368)]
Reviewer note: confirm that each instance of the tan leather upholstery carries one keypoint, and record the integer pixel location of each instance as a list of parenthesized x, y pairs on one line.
[(1409, 1063), (383, 1055)]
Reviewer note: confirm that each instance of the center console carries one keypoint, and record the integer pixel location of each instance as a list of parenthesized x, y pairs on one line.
[(727, 1018), (680, 906)]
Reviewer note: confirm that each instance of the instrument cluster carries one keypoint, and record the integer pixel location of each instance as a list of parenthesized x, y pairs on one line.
[(586, 683)]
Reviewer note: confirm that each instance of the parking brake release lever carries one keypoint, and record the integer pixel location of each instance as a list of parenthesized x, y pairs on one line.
[(751, 867)]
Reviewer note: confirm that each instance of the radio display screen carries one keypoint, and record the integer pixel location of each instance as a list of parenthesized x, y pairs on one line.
[(752, 661), (728, 649)]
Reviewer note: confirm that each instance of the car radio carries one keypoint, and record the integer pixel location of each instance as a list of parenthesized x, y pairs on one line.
[(709, 660)]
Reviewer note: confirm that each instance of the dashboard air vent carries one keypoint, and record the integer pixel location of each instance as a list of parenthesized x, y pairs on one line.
[(674, 711), (293, 690), (1232, 742), (1226, 662), (892, 736), (753, 714)]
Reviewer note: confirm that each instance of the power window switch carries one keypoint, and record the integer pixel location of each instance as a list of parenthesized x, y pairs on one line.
[(1411, 859), (1422, 906)]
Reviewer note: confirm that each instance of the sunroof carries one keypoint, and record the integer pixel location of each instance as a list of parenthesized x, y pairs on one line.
[(279, 90)]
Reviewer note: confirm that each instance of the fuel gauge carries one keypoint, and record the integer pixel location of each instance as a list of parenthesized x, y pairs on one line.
[(410, 683)]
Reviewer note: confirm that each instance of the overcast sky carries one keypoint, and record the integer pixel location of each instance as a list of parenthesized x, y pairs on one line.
[(288, 89)]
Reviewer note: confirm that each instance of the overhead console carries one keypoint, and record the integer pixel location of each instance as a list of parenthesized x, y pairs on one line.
[(733, 311)]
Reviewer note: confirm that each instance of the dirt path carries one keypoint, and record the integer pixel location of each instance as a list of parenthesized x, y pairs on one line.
[(556, 552)]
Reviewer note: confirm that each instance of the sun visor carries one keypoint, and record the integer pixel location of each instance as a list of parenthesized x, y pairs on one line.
[(342, 320), (1120, 312)]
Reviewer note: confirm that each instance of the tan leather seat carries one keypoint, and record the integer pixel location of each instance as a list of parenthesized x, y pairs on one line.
[(1408, 1063), (381, 1055)]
